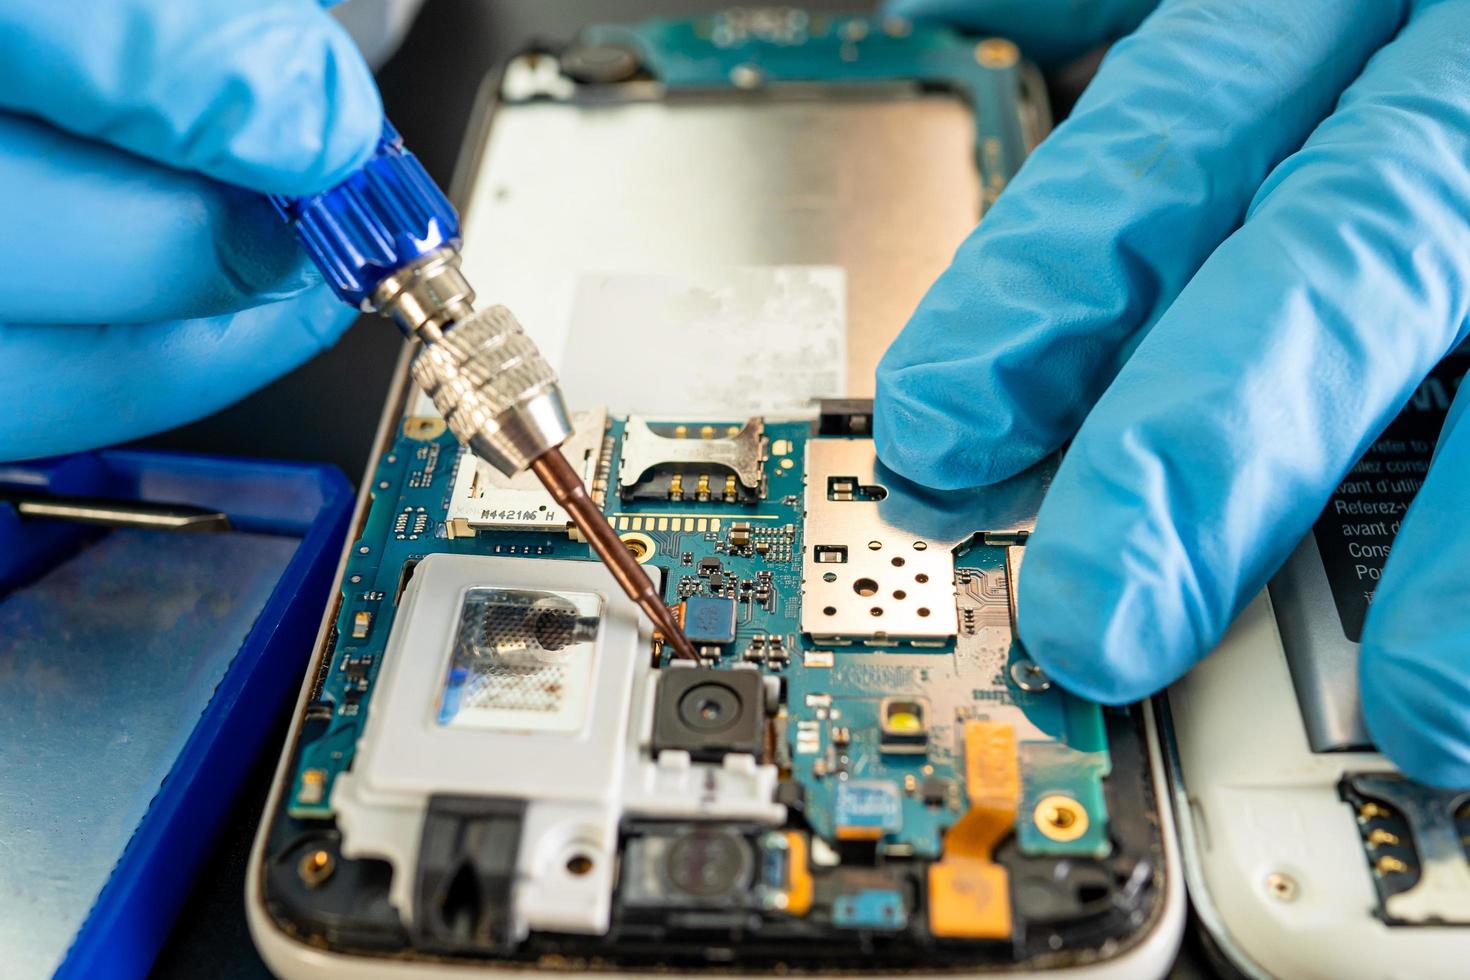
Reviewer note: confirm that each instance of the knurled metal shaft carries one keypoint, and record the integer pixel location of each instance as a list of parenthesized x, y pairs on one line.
[(494, 389), (500, 398)]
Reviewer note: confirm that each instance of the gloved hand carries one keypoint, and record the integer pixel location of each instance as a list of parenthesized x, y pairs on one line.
[(137, 290), (1223, 275)]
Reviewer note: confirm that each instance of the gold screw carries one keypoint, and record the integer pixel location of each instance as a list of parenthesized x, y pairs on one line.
[(1060, 818), (316, 867), (640, 546)]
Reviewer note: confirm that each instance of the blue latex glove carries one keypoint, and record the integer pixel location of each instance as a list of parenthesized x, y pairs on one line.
[(137, 290), (1224, 274)]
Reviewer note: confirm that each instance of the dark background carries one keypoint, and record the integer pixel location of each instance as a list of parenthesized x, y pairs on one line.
[(328, 409)]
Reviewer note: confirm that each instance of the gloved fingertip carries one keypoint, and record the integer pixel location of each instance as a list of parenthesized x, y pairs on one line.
[(291, 107), (333, 132), (944, 432), (1092, 651), (902, 436), (355, 122), (255, 250), (1417, 709), (320, 317), (1110, 602)]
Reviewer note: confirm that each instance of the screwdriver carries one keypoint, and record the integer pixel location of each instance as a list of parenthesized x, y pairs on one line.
[(387, 240)]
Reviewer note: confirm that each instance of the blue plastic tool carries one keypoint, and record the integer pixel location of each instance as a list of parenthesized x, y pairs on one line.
[(386, 216), (125, 764)]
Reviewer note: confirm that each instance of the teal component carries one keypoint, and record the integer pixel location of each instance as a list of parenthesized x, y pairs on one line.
[(1057, 769), (830, 799), (1061, 715), (1063, 744), (413, 481), (871, 908), (1073, 766), (735, 50), (709, 619), (867, 808)]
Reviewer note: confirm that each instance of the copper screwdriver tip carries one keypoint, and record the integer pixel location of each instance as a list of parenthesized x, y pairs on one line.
[(566, 488)]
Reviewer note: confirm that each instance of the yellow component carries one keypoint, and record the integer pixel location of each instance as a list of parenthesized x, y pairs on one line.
[(1060, 818), (1378, 837), (706, 432), (316, 867), (1388, 865), (729, 488), (362, 622), (1370, 810), (701, 492), (904, 722), (799, 884), (969, 894), (714, 523), (996, 52), (780, 447), (676, 487)]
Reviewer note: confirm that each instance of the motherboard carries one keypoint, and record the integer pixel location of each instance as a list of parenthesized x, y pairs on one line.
[(863, 769)]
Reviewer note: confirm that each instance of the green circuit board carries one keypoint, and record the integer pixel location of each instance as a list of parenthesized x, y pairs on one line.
[(833, 692)]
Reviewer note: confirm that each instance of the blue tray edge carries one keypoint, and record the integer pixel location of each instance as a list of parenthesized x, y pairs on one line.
[(134, 912)]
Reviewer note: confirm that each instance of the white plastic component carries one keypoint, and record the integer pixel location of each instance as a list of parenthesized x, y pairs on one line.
[(483, 498), (1275, 861), (672, 786), (581, 764), (571, 780)]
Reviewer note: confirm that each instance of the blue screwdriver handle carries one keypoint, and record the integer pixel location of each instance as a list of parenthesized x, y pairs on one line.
[(387, 215)]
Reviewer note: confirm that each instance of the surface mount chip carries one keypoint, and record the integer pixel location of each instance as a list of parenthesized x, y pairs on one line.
[(709, 619)]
